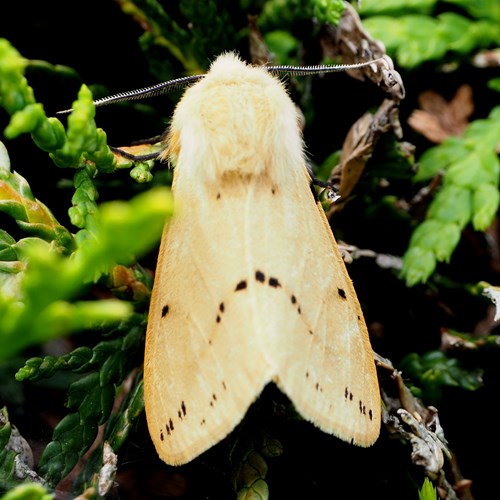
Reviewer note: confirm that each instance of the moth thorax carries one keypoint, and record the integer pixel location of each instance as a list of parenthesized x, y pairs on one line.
[(245, 126)]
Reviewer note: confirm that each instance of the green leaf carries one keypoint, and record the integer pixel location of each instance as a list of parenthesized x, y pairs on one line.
[(434, 370), (418, 264), (469, 193), (42, 309), (30, 491), (427, 492), (452, 205), (485, 203), (416, 38), (91, 397)]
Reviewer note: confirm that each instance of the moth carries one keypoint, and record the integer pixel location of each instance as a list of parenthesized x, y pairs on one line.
[(250, 287)]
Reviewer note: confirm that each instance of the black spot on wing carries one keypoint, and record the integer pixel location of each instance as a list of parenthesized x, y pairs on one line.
[(181, 412), (348, 394), (342, 293), (362, 408), (241, 285), (221, 309), (164, 310), (349, 398), (274, 282), (213, 400), (260, 276)]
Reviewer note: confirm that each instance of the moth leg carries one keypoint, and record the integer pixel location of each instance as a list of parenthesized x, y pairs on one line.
[(138, 158), (330, 191)]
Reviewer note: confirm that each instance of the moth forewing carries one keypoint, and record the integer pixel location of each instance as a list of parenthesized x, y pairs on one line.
[(250, 286)]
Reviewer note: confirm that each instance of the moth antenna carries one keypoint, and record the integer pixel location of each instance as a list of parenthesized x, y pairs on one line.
[(318, 69), (152, 91), (179, 83)]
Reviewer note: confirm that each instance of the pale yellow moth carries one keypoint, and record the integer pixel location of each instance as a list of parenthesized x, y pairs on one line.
[(250, 286)]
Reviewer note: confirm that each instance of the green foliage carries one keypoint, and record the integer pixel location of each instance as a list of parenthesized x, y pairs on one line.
[(82, 140), (251, 478), (116, 432), (435, 370), (7, 455), (32, 216), (285, 13), (202, 30), (421, 36), (427, 492), (278, 19), (469, 194), (91, 397), (28, 491), (35, 307)]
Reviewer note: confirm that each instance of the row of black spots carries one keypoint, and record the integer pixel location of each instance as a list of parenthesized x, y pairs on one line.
[(343, 296), (221, 311), (272, 282), (348, 395), (295, 303), (242, 285), (318, 387), (362, 410), (169, 427), (213, 400), (362, 407), (259, 277), (275, 283), (181, 412)]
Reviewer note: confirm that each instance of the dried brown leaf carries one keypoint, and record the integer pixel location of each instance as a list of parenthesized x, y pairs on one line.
[(438, 119)]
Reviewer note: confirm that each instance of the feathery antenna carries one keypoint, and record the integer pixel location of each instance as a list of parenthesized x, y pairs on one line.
[(179, 83)]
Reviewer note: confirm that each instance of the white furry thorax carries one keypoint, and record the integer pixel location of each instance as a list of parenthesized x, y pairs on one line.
[(238, 119)]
